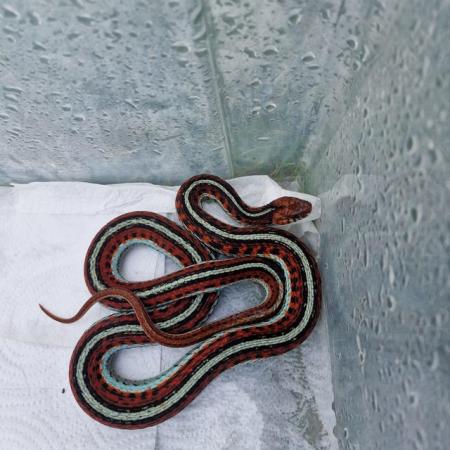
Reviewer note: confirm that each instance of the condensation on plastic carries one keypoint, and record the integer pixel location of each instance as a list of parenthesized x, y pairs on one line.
[(385, 233), (106, 91), (349, 97)]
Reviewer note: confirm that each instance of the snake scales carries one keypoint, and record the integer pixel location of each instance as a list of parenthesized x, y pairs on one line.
[(171, 310)]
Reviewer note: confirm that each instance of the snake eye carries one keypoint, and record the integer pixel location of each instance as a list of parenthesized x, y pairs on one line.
[(289, 209)]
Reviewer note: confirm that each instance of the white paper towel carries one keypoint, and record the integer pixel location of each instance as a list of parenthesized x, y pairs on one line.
[(46, 228)]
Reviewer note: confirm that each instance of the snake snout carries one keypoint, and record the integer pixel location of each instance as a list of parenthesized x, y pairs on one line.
[(290, 209)]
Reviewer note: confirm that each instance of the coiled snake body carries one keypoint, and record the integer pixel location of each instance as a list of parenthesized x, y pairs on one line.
[(171, 309)]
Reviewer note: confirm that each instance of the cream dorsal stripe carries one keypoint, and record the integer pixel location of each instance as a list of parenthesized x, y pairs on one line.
[(172, 309)]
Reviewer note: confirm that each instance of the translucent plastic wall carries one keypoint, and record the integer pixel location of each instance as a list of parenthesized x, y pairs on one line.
[(386, 234), (350, 98)]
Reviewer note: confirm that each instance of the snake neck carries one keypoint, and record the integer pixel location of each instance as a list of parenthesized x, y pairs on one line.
[(255, 221), (194, 191)]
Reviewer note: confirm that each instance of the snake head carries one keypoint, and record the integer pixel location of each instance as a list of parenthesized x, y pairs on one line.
[(289, 209)]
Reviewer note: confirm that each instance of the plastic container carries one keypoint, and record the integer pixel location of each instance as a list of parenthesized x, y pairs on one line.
[(349, 99)]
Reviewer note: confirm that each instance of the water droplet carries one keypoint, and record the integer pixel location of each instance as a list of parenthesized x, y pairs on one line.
[(15, 89), (352, 42), (181, 47), (411, 143), (356, 65), (413, 399), (200, 35), (391, 275), (11, 31), (38, 46), (34, 18), (78, 3), (201, 51), (85, 20), (308, 57), (130, 102), (391, 302), (437, 320), (182, 62), (10, 12), (255, 82), (374, 401), (434, 364), (249, 52), (72, 36), (197, 13), (12, 107), (269, 107), (415, 214), (228, 19), (325, 13), (295, 17), (366, 53), (270, 50), (362, 358), (12, 97)]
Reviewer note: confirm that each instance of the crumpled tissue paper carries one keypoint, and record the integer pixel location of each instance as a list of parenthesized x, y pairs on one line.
[(283, 402)]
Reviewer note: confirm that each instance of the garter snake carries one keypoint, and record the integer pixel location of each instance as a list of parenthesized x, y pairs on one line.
[(171, 310)]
